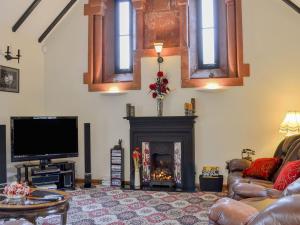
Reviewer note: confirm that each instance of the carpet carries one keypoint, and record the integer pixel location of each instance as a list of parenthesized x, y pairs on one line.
[(112, 206)]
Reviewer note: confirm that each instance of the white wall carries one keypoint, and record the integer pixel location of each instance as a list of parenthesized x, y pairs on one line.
[(30, 100), (241, 117)]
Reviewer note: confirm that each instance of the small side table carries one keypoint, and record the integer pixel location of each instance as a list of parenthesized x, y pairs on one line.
[(32, 212), (211, 184)]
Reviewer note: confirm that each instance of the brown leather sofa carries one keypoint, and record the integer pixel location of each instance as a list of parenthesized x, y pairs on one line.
[(288, 150), (283, 208)]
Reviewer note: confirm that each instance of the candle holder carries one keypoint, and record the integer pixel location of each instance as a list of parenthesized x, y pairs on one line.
[(8, 55)]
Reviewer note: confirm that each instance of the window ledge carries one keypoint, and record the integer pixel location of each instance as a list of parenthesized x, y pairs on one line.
[(208, 73)]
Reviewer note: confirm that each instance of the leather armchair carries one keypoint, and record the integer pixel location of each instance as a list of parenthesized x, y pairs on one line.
[(266, 207), (283, 211)]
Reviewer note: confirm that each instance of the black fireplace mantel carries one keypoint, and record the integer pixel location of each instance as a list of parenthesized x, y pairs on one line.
[(166, 129)]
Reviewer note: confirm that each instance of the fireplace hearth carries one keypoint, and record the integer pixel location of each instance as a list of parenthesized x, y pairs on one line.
[(167, 149)]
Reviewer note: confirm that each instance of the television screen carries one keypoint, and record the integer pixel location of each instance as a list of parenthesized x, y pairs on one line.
[(39, 138)]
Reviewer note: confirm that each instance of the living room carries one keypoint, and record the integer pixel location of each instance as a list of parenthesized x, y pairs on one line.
[(54, 80)]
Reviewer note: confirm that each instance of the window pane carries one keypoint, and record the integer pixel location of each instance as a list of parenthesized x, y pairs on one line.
[(124, 56), (207, 13), (208, 39), (124, 18)]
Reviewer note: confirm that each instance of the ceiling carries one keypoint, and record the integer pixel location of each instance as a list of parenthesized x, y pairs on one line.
[(37, 22)]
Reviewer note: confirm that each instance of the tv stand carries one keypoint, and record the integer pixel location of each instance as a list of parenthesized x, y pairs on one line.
[(63, 171), (44, 163)]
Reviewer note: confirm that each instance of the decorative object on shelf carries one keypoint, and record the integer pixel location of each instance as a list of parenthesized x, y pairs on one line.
[(136, 156), (290, 124), (16, 192), (128, 109), (117, 165), (193, 102), (188, 109), (8, 55), (210, 171), (132, 111), (9, 79), (159, 90), (246, 154)]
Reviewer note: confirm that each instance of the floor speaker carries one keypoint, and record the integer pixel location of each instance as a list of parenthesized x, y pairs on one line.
[(87, 156), (3, 172)]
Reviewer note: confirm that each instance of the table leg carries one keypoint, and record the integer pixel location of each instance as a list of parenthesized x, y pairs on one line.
[(31, 219), (63, 218)]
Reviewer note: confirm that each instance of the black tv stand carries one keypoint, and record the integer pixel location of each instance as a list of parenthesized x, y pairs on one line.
[(64, 170), (44, 163)]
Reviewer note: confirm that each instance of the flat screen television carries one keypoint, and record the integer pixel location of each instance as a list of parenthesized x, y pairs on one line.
[(43, 138)]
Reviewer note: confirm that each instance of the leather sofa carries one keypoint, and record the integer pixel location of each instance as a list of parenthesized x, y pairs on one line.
[(288, 150), (277, 208)]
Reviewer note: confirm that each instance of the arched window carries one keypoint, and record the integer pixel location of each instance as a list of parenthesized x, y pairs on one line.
[(216, 44), (111, 46)]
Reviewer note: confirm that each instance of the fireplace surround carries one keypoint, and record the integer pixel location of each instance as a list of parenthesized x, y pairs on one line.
[(167, 150)]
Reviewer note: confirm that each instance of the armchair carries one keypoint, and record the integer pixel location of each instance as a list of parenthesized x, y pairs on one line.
[(265, 206)]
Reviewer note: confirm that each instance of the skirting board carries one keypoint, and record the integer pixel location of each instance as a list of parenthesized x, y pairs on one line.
[(99, 181)]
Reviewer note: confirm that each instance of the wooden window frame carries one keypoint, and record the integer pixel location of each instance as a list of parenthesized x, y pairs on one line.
[(236, 67), (95, 10)]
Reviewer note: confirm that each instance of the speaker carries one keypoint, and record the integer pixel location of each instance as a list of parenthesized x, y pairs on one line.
[(87, 156), (3, 172)]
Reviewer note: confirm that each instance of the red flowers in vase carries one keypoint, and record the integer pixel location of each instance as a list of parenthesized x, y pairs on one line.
[(159, 89), (136, 155)]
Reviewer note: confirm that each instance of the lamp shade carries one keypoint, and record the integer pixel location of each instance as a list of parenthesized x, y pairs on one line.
[(291, 124), (158, 47)]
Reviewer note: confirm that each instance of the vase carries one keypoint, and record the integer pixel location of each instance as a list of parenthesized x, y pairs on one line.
[(137, 181), (160, 107)]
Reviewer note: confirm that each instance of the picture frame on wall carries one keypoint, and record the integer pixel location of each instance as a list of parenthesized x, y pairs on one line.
[(9, 79)]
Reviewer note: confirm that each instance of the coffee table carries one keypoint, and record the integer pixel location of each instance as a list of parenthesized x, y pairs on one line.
[(32, 212)]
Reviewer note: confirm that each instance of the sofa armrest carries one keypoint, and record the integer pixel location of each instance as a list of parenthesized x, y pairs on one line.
[(238, 164), (227, 211), (246, 190)]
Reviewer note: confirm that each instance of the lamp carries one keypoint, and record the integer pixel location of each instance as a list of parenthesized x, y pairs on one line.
[(291, 123), (158, 46)]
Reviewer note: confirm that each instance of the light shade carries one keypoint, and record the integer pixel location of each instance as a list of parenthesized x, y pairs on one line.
[(158, 47), (291, 124)]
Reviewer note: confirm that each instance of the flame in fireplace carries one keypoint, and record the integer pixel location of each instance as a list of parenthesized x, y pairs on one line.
[(161, 175)]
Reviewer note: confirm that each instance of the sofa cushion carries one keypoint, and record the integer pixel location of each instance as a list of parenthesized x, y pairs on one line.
[(289, 173), (262, 168)]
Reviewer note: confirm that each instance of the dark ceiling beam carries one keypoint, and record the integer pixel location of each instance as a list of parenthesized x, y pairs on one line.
[(28, 11), (56, 20), (293, 5)]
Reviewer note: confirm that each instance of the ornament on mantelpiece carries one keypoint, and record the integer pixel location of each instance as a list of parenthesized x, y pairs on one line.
[(159, 90)]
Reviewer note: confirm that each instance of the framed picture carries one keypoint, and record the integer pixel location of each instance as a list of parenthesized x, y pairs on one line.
[(9, 79)]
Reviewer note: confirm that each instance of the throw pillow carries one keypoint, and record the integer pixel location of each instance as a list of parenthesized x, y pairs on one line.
[(288, 174), (262, 168)]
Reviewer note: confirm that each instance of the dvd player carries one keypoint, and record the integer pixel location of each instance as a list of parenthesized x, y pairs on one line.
[(48, 170)]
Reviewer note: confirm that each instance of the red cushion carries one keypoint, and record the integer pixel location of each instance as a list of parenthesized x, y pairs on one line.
[(262, 168), (288, 174)]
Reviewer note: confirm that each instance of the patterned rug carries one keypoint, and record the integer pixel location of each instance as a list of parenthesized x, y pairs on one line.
[(112, 206)]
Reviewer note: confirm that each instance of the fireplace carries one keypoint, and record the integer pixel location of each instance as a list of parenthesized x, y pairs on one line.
[(167, 147)]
